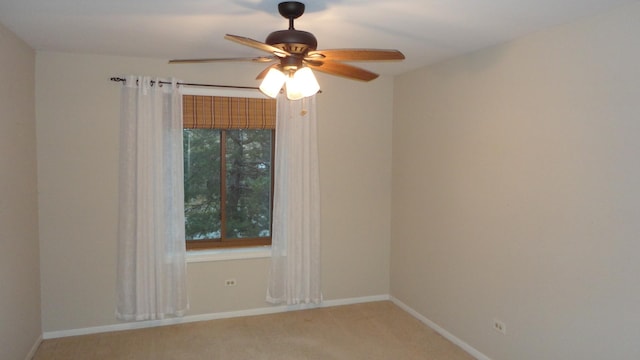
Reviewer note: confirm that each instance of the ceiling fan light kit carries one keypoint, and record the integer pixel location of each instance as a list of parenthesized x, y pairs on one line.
[(302, 84), (296, 51), (273, 82)]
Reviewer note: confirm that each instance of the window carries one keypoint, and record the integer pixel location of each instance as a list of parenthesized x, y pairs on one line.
[(228, 173)]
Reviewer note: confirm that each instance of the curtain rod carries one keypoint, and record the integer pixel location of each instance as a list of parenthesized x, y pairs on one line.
[(119, 79)]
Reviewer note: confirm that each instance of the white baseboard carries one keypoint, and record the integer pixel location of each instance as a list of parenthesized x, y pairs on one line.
[(257, 311), (34, 348), (437, 328), (211, 316)]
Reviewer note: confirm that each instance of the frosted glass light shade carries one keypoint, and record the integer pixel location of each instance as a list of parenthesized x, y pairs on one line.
[(294, 91), (306, 81), (273, 82), (302, 84)]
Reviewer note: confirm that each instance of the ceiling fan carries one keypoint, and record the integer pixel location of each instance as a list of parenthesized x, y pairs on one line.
[(296, 53)]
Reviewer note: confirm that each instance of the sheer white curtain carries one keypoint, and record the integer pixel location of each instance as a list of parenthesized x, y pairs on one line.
[(295, 263), (151, 248)]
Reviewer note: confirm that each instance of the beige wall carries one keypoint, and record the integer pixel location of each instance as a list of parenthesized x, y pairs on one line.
[(515, 193), (77, 125), (19, 263)]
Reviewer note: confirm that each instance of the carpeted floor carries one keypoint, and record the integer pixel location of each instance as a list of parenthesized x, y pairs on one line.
[(377, 330)]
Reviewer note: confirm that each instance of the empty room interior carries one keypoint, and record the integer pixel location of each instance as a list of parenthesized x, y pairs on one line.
[(486, 185)]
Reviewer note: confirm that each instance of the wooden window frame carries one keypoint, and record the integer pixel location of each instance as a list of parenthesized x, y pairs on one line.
[(223, 241)]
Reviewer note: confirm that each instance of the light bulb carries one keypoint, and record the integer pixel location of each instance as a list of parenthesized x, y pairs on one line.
[(273, 82)]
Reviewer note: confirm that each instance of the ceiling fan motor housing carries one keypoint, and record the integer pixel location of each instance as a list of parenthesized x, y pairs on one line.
[(293, 41)]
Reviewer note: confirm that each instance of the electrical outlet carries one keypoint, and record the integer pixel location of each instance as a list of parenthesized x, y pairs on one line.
[(499, 326), (230, 282)]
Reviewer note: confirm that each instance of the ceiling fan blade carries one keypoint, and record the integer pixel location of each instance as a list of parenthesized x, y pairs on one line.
[(264, 72), (355, 55), (257, 45), (340, 69), (260, 59)]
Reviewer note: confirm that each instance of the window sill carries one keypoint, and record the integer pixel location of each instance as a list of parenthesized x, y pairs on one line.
[(256, 252)]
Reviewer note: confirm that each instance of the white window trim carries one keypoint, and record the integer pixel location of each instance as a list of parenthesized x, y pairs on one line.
[(222, 254)]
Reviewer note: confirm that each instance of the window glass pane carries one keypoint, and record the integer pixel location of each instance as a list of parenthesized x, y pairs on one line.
[(202, 183), (248, 180)]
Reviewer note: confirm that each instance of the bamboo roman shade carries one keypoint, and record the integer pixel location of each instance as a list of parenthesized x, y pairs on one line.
[(222, 112)]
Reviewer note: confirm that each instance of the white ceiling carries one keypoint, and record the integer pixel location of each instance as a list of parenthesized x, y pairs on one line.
[(426, 31)]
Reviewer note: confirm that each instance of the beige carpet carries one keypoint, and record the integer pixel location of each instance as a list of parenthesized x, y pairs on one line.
[(377, 330)]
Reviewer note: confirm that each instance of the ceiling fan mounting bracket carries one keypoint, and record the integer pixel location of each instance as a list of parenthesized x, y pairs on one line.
[(291, 10)]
